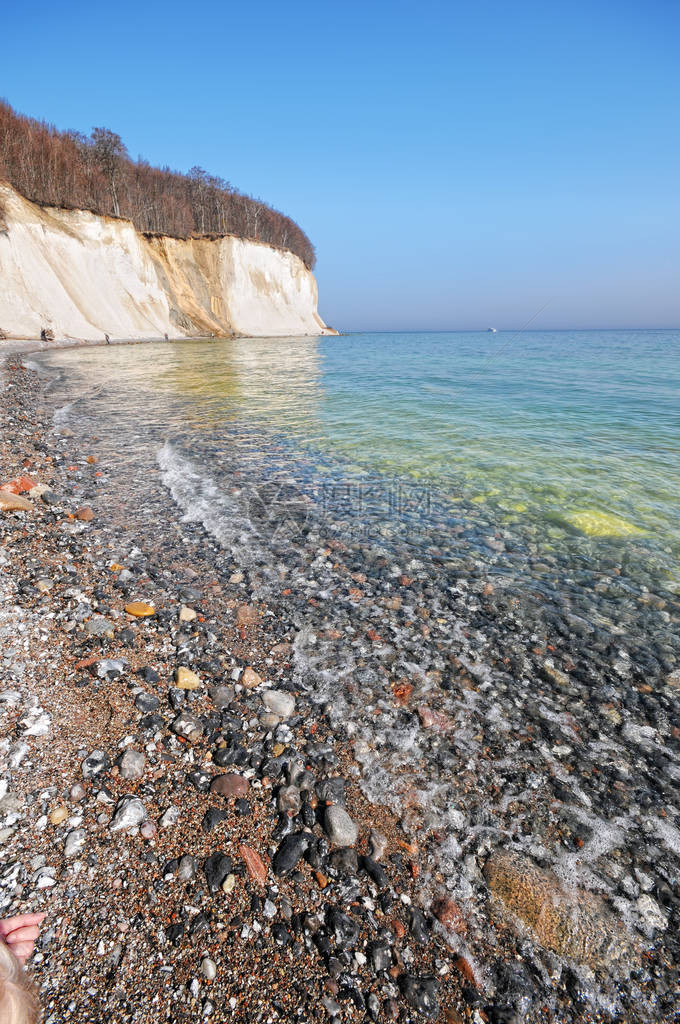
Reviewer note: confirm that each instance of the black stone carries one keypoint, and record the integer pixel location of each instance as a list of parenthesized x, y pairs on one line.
[(420, 993), (332, 791), (171, 867), (380, 955), (284, 826), (175, 933), (200, 780), (281, 934), (375, 871), (224, 756), (345, 861), (241, 757), (307, 815), (146, 702), (216, 869), (273, 767), (151, 723), (345, 929), (199, 925), (176, 698), (373, 1006), (290, 852), (418, 926), (312, 856), (213, 816)]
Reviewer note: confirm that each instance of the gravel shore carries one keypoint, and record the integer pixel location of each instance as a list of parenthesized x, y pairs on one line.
[(193, 825)]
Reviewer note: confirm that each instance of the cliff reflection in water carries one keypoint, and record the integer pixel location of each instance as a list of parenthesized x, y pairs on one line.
[(268, 380), (275, 382)]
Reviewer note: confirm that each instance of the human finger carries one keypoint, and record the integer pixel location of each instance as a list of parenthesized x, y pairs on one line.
[(22, 950), (29, 933), (8, 924)]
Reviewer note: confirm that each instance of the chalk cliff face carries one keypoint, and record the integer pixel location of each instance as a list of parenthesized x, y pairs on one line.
[(82, 276)]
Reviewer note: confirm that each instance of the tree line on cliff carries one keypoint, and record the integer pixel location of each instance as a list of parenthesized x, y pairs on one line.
[(73, 171)]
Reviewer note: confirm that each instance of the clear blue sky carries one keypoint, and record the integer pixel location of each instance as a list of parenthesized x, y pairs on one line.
[(456, 164)]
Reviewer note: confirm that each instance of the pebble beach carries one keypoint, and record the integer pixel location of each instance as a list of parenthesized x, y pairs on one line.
[(223, 825)]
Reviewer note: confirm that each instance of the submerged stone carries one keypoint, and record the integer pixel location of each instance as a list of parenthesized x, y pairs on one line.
[(420, 993), (279, 703), (595, 523), (575, 924)]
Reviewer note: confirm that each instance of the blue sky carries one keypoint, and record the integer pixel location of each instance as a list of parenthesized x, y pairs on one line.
[(457, 165)]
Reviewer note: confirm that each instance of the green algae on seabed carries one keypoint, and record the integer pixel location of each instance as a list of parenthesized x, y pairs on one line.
[(595, 523)]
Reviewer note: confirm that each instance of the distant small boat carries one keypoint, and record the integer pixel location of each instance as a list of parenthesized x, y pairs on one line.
[(491, 330)]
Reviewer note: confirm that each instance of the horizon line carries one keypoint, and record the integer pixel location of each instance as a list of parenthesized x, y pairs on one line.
[(497, 330)]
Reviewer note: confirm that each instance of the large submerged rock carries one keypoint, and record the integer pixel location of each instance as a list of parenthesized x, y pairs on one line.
[(574, 924)]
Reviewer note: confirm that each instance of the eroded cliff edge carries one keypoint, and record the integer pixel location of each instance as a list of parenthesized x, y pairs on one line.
[(82, 276)]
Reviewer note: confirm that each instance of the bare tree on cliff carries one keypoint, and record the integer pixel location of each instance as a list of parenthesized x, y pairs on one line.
[(70, 170), (109, 150), (198, 179)]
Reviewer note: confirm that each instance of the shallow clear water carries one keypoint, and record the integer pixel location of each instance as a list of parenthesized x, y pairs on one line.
[(552, 427)]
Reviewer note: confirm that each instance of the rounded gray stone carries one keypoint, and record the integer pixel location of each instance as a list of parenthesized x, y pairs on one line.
[(75, 841), (129, 813), (279, 703), (340, 828), (131, 765)]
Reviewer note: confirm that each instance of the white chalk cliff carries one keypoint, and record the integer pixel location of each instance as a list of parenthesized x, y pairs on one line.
[(82, 276)]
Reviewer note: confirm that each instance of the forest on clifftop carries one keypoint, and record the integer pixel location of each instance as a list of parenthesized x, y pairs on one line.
[(74, 171)]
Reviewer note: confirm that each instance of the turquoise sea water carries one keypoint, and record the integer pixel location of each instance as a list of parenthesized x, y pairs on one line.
[(557, 422), (567, 430)]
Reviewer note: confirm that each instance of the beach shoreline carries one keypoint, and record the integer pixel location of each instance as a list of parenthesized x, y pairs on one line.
[(122, 900), (62, 704)]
